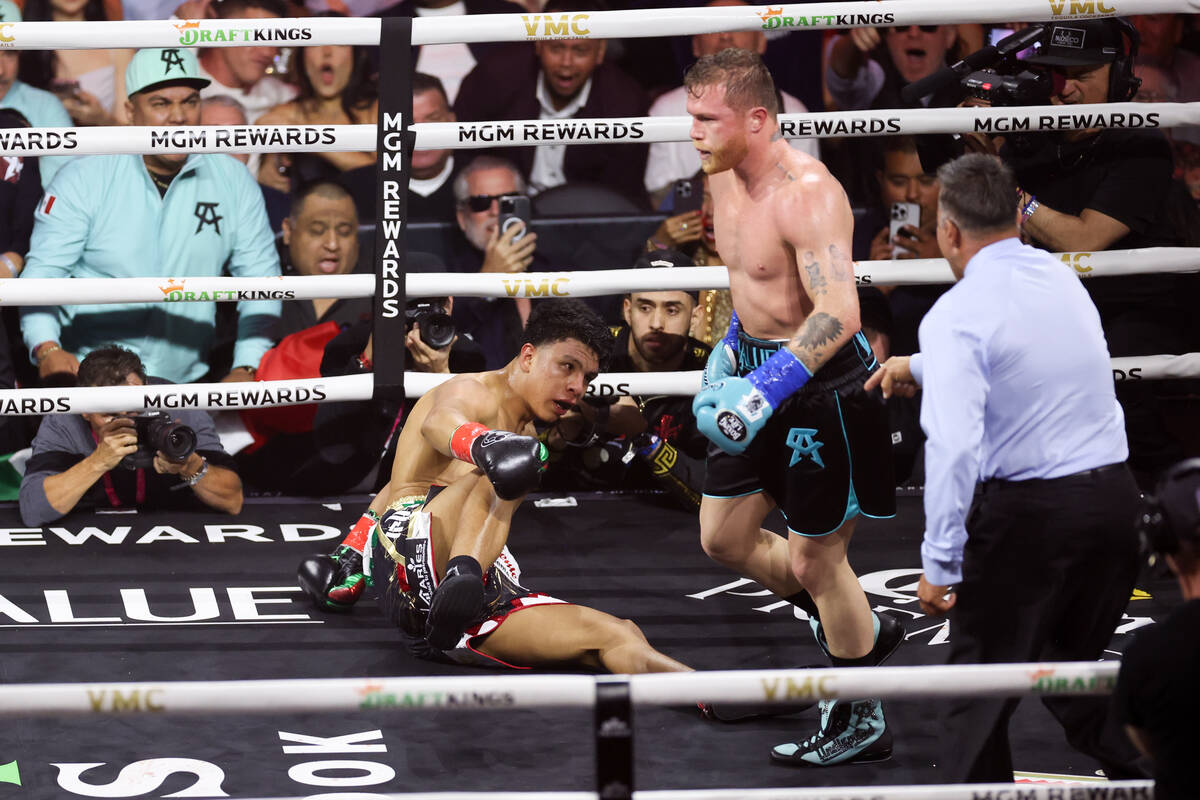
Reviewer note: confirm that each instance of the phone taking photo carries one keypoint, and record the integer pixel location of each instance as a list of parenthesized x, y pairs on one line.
[(903, 215), (689, 196), (514, 210)]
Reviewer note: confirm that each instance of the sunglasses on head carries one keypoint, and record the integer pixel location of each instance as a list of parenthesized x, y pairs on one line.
[(924, 28), (481, 202)]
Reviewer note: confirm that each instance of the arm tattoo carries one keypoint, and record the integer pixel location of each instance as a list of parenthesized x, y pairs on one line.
[(841, 265), (818, 331), (816, 277)]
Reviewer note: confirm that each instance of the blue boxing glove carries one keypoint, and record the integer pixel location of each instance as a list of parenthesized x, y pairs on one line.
[(723, 360), (730, 413)]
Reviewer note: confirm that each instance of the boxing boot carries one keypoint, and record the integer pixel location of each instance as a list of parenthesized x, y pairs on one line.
[(889, 633), (852, 732), (334, 582), (457, 600)]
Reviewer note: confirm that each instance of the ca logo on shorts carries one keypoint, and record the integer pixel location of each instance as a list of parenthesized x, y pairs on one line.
[(804, 446)]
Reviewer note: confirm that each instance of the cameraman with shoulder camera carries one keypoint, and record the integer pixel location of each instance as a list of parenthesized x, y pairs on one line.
[(1156, 695), (126, 460)]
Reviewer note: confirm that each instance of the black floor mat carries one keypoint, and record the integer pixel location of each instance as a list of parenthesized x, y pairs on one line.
[(165, 597)]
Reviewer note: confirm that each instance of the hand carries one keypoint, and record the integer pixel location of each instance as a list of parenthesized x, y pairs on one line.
[(272, 171), (980, 142), (85, 108), (917, 243), (935, 600), (195, 9), (239, 375), (680, 230), (424, 357), (865, 39), (895, 378), (504, 255), (881, 246), (57, 362), (191, 465), (117, 438)]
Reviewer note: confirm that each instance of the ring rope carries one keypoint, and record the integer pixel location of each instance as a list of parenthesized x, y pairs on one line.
[(349, 388), (579, 283), (639, 23), (509, 692), (1108, 790), (139, 140)]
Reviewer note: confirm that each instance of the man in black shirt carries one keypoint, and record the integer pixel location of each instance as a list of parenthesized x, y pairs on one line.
[(1105, 189), (1156, 694)]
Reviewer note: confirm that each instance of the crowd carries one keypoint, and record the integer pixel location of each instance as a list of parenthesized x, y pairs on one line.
[(205, 215), (281, 213)]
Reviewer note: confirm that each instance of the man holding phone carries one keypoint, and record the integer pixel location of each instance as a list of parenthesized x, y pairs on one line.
[(491, 244)]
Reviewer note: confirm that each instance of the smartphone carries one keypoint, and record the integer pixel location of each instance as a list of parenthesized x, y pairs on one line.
[(65, 88), (514, 208), (689, 196), (903, 214)]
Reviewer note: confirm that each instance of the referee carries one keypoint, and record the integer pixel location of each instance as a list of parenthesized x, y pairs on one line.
[(1018, 395)]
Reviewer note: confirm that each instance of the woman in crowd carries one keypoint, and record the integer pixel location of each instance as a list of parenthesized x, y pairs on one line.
[(337, 87), (90, 83)]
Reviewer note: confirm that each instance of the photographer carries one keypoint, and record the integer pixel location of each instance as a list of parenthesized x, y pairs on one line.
[(1156, 695), (118, 460)]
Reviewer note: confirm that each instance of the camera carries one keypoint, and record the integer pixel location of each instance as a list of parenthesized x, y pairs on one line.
[(158, 432), (433, 323), (1024, 88)]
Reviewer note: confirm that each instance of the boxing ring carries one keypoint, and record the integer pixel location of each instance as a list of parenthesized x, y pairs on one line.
[(609, 699)]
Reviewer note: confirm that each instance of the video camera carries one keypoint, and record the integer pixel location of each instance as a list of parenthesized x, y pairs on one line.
[(432, 321), (157, 431)]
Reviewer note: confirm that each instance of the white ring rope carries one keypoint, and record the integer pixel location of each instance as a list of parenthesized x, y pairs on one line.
[(580, 283), (532, 27), (346, 388), (138, 140), (1108, 790), (508, 692)]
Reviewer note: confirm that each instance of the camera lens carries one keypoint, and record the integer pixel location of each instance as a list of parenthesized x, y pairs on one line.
[(437, 330)]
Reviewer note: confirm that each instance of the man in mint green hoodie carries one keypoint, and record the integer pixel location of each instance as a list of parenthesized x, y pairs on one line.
[(161, 214)]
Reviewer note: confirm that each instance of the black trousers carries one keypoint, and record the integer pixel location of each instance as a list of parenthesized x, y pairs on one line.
[(1048, 569)]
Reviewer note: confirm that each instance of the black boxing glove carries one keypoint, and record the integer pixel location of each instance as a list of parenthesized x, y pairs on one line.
[(512, 462)]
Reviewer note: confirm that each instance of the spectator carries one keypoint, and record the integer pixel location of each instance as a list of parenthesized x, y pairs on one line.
[(1161, 35), (901, 179), (640, 442), (450, 63), (90, 83), (337, 87), (86, 458), (175, 215), (496, 324), (673, 161), (431, 185), (1156, 693), (860, 75), (1102, 189), (241, 72), (561, 79), (20, 190), (221, 109), (41, 108)]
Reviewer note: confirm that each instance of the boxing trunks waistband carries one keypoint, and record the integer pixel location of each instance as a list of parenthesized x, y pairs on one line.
[(852, 362)]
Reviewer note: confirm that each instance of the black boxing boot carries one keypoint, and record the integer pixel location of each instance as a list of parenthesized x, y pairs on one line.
[(333, 582), (457, 600), (889, 633)]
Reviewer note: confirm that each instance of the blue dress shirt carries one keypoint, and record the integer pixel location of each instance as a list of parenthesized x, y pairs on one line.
[(1017, 384)]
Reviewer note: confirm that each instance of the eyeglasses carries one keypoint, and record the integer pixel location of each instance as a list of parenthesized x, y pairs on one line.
[(481, 202), (924, 28)]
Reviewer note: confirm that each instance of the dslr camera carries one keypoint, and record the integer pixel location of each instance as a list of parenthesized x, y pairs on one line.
[(158, 432), (433, 323)]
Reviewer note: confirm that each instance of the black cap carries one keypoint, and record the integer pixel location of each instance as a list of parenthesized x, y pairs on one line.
[(1079, 43), (1179, 495), (661, 259)]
